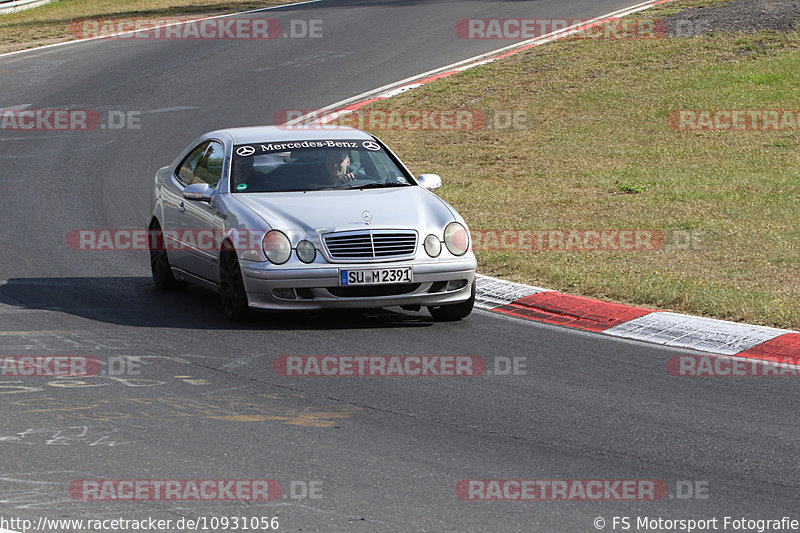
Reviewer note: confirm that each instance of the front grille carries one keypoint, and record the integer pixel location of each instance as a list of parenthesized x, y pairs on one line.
[(374, 244), (366, 291)]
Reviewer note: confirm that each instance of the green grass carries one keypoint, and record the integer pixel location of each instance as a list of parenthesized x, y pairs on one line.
[(673, 8), (596, 152)]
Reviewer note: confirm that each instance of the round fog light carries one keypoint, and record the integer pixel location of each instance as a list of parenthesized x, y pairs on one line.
[(433, 245), (306, 252)]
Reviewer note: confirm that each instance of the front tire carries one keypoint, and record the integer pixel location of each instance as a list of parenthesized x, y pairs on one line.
[(159, 260), (452, 312), (231, 286)]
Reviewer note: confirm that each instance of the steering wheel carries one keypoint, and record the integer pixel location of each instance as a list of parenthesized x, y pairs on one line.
[(352, 184)]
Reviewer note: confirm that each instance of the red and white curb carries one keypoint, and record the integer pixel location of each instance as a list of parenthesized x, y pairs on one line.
[(638, 323)]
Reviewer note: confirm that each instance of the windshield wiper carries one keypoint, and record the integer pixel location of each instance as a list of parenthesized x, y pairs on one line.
[(381, 185)]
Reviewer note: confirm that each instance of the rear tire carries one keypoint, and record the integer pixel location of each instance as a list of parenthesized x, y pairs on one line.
[(452, 312), (231, 286), (159, 261)]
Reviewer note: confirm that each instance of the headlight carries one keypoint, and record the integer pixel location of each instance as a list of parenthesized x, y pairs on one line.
[(306, 252), (456, 238), (276, 247), (433, 245)]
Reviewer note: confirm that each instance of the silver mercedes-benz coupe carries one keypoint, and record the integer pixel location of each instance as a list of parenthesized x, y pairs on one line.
[(285, 218)]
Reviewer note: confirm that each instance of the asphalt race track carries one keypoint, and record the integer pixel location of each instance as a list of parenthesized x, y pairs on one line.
[(378, 454)]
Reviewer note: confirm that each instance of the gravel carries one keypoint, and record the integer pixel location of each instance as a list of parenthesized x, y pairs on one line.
[(738, 15)]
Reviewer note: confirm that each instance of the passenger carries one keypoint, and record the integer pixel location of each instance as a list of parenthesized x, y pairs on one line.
[(243, 171)]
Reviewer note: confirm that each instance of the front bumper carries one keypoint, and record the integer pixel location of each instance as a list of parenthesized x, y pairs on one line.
[(317, 287)]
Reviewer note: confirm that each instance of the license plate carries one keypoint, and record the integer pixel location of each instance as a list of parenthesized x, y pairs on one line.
[(375, 276)]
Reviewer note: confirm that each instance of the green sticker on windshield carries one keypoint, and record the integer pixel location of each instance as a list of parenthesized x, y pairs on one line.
[(241, 187)]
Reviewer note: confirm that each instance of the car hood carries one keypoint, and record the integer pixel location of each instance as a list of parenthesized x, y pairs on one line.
[(328, 211)]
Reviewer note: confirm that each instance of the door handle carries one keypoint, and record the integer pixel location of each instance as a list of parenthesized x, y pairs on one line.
[(181, 207)]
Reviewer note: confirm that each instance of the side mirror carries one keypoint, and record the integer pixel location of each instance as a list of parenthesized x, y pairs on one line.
[(198, 191), (429, 181)]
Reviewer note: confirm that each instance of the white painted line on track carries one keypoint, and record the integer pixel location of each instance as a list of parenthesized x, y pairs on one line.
[(115, 35), (15, 6), (397, 87)]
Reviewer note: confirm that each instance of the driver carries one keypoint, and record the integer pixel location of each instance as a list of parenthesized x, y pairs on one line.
[(337, 167)]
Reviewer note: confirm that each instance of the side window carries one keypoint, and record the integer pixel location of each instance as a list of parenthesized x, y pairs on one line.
[(186, 169), (209, 167)]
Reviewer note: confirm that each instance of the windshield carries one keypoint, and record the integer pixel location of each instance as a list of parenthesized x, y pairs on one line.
[(314, 166)]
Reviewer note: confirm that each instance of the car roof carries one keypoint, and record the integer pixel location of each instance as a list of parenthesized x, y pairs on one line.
[(259, 134)]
